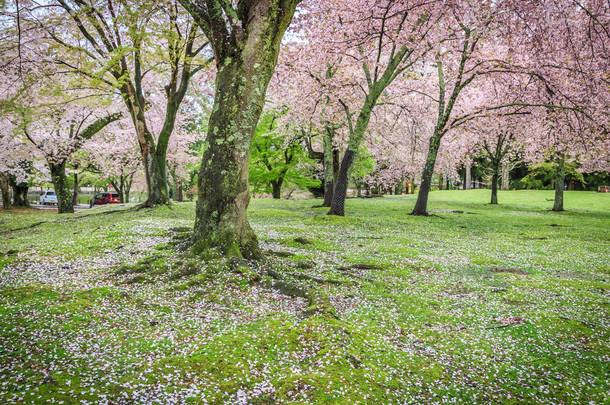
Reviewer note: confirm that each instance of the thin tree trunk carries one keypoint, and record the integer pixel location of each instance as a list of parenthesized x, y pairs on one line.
[(338, 204), (336, 164), (174, 185), (75, 193), (421, 206), (358, 187), (119, 188), (505, 176), (559, 184), (163, 142), (468, 180), (60, 183), (154, 172), (180, 194), (277, 188), (4, 186), (440, 181), (17, 202), (494, 187), (128, 188), (329, 171)]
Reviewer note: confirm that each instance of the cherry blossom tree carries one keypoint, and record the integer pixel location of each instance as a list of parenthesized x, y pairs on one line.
[(116, 157), (306, 83), (59, 134), (15, 155), (184, 152), (13, 151), (496, 138), (146, 51), (383, 40)]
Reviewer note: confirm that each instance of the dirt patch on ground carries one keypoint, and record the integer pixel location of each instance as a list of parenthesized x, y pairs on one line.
[(509, 270)]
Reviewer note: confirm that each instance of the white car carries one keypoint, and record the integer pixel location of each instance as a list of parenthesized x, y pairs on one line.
[(48, 197)]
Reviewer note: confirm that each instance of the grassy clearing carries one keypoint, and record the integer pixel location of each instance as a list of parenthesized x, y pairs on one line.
[(476, 304)]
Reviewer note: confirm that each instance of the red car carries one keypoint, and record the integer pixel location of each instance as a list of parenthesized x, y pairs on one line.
[(104, 198)]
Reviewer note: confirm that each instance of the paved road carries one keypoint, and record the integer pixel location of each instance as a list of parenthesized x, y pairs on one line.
[(54, 207)]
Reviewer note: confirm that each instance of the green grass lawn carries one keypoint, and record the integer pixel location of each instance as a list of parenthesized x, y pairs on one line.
[(474, 304)]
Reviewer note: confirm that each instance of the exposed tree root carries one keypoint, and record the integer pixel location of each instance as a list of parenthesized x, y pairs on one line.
[(317, 300), (25, 227), (301, 276)]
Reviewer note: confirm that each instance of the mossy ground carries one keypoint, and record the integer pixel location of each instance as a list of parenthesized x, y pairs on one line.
[(475, 304)]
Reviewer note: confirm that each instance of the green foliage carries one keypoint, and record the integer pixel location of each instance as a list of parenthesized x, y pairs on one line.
[(542, 176), (364, 163), (278, 158), (594, 180)]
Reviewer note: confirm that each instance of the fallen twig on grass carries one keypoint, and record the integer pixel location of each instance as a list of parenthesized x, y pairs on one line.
[(25, 227), (500, 326)]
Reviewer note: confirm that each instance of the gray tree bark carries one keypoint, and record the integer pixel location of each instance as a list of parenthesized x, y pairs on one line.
[(329, 172), (246, 43), (421, 205), (62, 190), (559, 184), (468, 177), (4, 186), (505, 175)]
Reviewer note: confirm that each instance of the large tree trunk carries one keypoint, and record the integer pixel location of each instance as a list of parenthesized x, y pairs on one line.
[(505, 176), (468, 177), (224, 193), (20, 196), (559, 184), (4, 186), (421, 206), (60, 183), (329, 172), (245, 61)]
